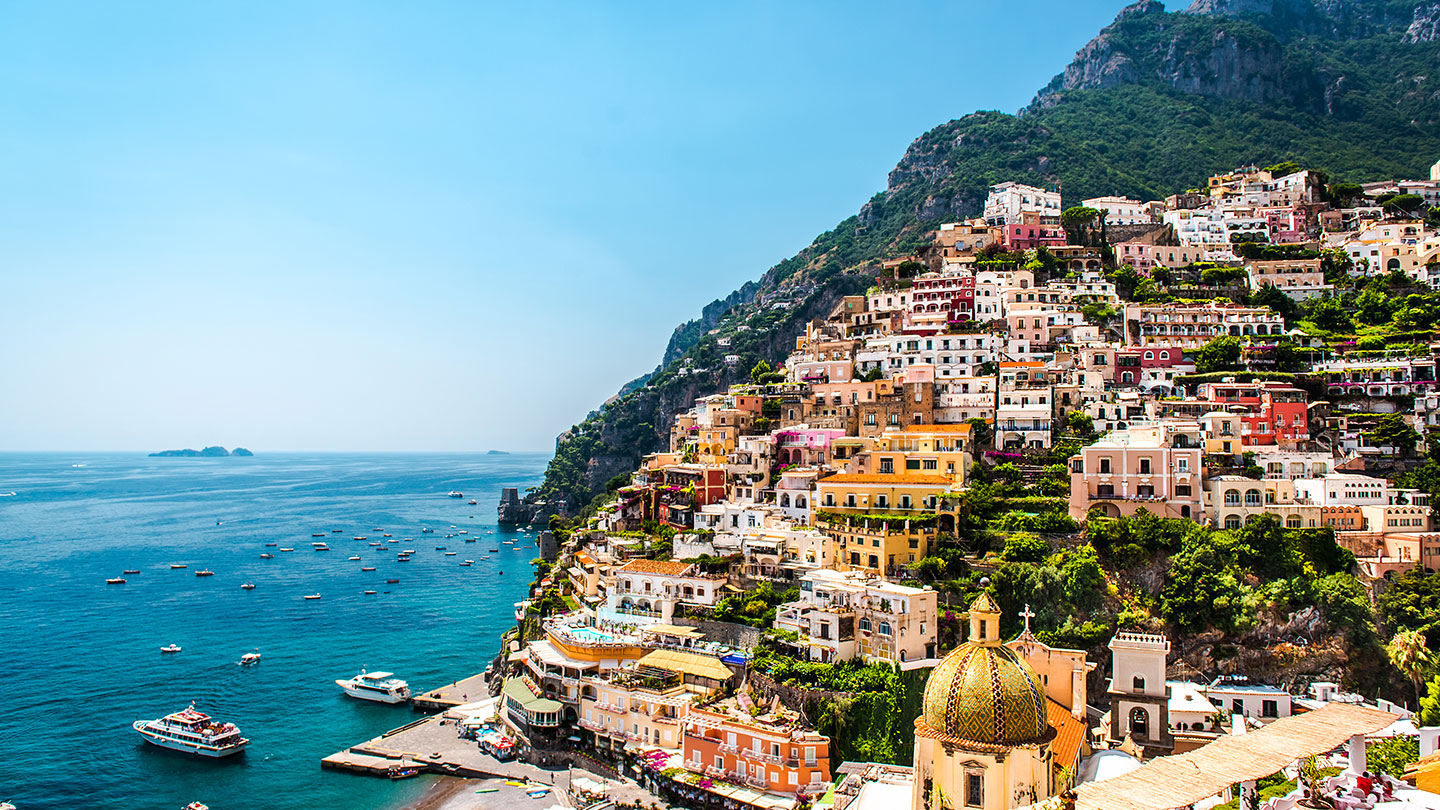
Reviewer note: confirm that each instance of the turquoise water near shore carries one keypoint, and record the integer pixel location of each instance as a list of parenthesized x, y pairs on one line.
[(82, 658)]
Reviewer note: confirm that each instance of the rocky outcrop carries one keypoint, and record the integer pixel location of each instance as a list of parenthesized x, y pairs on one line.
[(1425, 26)]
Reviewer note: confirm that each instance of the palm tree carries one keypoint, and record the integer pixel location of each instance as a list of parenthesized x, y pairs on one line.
[(1407, 652)]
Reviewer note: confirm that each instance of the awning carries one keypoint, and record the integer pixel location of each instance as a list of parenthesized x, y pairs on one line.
[(1184, 779), (673, 630), (701, 666), (545, 653)]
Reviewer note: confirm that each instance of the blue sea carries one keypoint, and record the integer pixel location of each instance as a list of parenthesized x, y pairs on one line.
[(81, 659)]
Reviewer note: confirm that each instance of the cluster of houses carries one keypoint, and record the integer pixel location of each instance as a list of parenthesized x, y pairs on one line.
[(839, 478)]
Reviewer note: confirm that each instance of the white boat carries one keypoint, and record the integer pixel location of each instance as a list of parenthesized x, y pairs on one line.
[(192, 732), (174, 566), (353, 559), (455, 493), (115, 581), (427, 530), (170, 648), (265, 555), (247, 586), (249, 658), (381, 687), (312, 596)]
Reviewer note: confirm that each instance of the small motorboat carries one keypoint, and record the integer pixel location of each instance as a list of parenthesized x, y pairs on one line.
[(509, 542), (494, 551), (367, 568), (473, 502), (205, 572), (407, 551), (376, 543), (361, 537), (287, 549), (369, 593), (318, 534), (427, 530), (174, 566), (265, 555), (462, 531), (466, 563), (312, 597), (449, 554), (455, 493), (402, 558), (248, 586), (322, 547), (249, 659), (469, 539), (502, 573), (448, 536), (271, 545), (336, 531), (115, 581), (170, 648), (353, 559), (392, 582), (129, 571), (196, 806), (385, 535)]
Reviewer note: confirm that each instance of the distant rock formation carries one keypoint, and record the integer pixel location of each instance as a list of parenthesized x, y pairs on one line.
[(214, 451), (496, 453)]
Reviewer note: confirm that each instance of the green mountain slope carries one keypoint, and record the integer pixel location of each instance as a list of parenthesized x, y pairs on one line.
[(1152, 106)]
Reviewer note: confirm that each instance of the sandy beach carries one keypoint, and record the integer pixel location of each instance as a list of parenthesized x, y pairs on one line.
[(450, 793)]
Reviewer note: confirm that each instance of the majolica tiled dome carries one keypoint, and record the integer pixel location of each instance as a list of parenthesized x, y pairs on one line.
[(983, 691)]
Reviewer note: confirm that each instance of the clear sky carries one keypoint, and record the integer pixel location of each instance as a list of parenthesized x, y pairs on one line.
[(430, 226)]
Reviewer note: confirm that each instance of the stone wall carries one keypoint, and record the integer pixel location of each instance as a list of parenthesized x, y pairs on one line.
[(736, 635), (799, 698)]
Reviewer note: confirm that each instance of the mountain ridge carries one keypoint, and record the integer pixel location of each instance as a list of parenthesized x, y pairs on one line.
[(1147, 108)]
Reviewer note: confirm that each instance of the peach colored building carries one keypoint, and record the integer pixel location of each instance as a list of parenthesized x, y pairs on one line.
[(1144, 467)]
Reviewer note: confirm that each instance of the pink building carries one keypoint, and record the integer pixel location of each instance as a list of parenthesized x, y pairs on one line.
[(943, 298), (1145, 258), (804, 446), (1024, 236), (1152, 466)]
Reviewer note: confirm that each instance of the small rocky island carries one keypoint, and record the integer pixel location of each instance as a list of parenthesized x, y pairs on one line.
[(208, 452)]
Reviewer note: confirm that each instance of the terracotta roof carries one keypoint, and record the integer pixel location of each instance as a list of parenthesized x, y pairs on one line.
[(897, 478), (1069, 736), (666, 567)]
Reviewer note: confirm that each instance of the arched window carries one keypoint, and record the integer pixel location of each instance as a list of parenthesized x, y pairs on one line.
[(1252, 497), (1149, 355), (885, 628), (1165, 355), (865, 623), (1232, 521), (1139, 683), (1292, 522), (1232, 497), (1139, 723)]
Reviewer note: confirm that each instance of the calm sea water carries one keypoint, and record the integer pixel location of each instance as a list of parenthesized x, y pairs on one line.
[(82, 659)]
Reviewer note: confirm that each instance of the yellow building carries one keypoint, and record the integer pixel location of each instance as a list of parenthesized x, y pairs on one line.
[(989, 736), (923, 449), (879, 522)]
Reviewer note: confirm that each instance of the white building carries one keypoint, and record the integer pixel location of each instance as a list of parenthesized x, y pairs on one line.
[(840, 616), (647, 591), (1008, 201), (1122, 210)]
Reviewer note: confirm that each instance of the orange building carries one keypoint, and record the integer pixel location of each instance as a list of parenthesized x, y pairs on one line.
[(725, 743)]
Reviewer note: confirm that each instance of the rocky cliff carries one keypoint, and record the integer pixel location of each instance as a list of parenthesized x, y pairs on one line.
[(1155, 103)]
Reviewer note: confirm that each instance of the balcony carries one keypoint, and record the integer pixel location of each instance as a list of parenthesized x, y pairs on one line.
[(750, 753), (756, 781)]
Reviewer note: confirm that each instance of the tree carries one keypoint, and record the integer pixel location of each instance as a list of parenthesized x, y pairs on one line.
[(1341, 193), (1284, 169), (1404, 204), (1219, 354), (1331, 315), (1201, 591), (1084, 578), (1394, 431), (1374, 306), (1412, 602), (929, 568), (761, 369), (1271, 296), (1025, 547), (1407, 653), (1079, 216), (1080, 422), (1430, 704)]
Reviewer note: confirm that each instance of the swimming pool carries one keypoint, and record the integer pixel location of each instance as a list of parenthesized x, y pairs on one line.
[(586, 633)]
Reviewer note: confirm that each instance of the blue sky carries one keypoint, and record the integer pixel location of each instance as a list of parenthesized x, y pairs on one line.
[(429, 226)]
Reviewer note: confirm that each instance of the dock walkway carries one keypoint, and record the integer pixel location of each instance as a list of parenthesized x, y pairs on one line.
[(467, 690)]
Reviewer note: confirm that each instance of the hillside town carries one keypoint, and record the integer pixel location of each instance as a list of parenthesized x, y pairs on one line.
[(1086, 507)]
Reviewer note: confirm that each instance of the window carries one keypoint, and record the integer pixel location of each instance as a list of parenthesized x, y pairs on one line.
[(1139, 683), (1104, 465), (974, 790), (885, 629), (1269, 708), (1237, 706), (1144, 466), (1182, 490), (1139, 723)]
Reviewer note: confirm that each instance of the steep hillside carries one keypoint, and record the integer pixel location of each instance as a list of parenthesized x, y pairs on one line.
[(1155, 103)]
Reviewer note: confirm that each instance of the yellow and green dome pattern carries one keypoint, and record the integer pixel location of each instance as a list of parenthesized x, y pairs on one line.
[(986, 694)]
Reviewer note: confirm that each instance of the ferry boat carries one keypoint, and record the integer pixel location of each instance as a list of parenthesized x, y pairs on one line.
[(192, 732), (381, 687), (115, 581), (455, 493)]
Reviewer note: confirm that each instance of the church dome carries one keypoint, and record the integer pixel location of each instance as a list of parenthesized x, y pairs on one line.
[(983, 691)]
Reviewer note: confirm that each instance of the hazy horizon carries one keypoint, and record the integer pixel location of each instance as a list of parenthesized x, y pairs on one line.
[(444, 227)]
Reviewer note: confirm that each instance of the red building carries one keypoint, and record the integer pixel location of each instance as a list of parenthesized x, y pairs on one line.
[(1270, 412), (1024, 236), (952, 296)]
